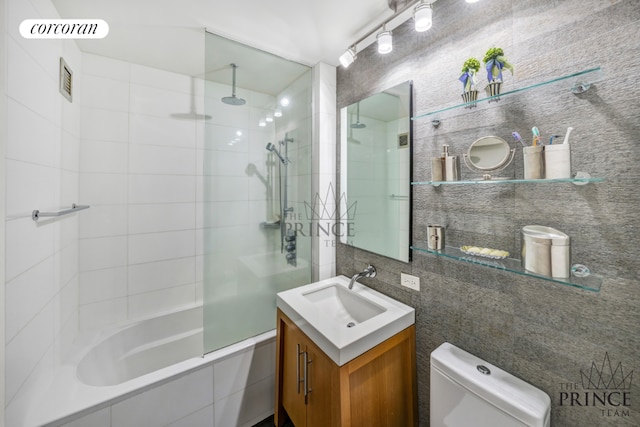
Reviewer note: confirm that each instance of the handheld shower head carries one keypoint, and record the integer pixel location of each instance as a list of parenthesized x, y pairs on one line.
[(273, 149)]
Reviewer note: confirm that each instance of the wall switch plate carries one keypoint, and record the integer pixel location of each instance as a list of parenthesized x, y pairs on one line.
[(410, 281)]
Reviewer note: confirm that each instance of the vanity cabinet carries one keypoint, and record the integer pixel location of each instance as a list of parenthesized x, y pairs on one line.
[(376, 389)]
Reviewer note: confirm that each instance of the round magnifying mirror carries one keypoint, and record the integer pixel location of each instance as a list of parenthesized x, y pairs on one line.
[(487, 154)]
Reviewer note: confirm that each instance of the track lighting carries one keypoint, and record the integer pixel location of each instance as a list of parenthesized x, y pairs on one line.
[(348, 56), (422, 16), (385, 41), (420, 10), (472, 1)]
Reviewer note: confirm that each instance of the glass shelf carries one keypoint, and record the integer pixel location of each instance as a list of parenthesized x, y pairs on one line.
[(590, 283), (592, 74), (577, 181)]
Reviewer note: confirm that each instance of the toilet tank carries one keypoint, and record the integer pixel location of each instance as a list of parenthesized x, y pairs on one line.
[(467, 391)]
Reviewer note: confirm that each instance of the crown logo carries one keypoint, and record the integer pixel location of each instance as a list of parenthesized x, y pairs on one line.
[(605, 377), (326, 209)]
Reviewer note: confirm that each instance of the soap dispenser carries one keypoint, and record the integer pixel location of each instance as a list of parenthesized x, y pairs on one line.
[(446, 167)]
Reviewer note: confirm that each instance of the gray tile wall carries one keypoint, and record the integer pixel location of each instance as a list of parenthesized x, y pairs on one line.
[(542, 332)]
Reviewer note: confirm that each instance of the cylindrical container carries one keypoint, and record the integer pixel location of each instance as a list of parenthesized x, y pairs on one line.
[(557, 161), (445, 168), (435, 237), (533, 162), (546, 251)]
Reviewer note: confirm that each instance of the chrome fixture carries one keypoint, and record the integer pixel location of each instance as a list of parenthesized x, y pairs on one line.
[(385, 40), (274, 150), (291, 255), (422, 15), (357, 124), (370, 271), (233, 99), (36, 214), (284, 202), (420, 10)]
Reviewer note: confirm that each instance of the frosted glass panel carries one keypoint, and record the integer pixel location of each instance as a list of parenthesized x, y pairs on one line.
[(246, 186)]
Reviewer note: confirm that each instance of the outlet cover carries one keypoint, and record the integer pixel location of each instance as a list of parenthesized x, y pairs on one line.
[(410, 281)]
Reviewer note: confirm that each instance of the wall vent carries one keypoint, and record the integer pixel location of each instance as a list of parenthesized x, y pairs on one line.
[(66, 80)]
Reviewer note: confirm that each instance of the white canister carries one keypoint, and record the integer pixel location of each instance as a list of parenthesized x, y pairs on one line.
[(533, 162), (557, 161)]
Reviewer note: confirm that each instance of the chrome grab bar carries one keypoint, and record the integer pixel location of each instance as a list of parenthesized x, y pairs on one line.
[(36, 214), (400, 197)]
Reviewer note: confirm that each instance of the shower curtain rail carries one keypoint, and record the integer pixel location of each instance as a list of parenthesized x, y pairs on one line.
[(36, 214)]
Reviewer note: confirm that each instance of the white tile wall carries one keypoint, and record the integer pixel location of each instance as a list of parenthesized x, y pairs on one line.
[(139, 173), (41, 173), (324, 158)]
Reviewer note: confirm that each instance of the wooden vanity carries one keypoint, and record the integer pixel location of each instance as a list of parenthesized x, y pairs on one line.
[(376, 389)]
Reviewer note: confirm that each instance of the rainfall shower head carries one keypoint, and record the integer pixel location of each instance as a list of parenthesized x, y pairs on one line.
[(357, 124), (274, 150), (233, 99)]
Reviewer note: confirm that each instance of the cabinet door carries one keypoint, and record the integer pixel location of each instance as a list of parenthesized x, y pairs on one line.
[(292, 371), (323, 397)]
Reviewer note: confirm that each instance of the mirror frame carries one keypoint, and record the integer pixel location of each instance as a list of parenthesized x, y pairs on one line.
[(343, 209), (506, 161)]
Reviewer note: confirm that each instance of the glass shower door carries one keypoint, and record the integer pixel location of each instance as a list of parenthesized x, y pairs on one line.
[(256, 179)]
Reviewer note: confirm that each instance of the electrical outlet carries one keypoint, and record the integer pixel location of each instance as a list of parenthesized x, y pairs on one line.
[(410, 281)]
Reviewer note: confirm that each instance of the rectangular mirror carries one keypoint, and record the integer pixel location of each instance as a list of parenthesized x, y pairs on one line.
[(375, 172)]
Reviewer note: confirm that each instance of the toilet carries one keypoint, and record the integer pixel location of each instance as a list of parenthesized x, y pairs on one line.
[(467, 391)]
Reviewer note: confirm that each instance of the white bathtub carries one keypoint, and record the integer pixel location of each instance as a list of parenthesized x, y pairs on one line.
[(130, 359)]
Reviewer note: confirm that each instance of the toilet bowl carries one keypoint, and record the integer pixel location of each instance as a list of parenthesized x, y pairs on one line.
[(467, 391)]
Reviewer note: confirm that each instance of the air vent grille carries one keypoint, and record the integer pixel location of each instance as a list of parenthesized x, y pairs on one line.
[(66, 80)]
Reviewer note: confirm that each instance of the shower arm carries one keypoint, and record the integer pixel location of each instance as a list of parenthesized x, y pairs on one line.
[(233, 80)]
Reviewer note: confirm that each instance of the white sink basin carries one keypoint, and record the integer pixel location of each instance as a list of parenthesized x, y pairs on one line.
[(343, 305), (344, 322)]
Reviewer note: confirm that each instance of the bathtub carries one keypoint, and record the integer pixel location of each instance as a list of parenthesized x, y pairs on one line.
[(125, 361)]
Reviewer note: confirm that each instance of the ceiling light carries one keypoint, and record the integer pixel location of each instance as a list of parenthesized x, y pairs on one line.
[(472, 1), (348, 57), (284, 101), (277, 112), (385, 41), (422, 15), (269, 118), (262, 123)]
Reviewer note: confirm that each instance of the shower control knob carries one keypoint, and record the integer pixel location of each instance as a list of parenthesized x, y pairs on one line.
[(291, 247)]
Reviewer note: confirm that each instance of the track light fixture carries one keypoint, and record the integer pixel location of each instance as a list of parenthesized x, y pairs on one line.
[(472, 1), (422, 15), (348, 56), (420, 10), (385, 41)]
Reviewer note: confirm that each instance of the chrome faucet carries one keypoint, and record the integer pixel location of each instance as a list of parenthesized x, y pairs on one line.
[(370, 271)]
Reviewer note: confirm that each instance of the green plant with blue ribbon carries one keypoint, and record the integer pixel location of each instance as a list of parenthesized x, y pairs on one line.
[(495, 61), (469, 69)]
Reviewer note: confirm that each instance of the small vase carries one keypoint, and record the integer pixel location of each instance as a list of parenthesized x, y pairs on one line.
[(470, 97), (493, 88)]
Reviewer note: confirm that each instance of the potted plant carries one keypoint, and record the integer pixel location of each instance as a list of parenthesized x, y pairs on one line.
[(495, 61), (468, 78)]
